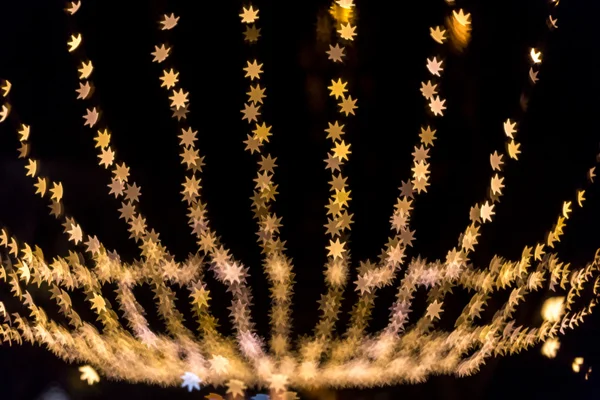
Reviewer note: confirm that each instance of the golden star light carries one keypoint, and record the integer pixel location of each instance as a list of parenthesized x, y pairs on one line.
[(410, 348)]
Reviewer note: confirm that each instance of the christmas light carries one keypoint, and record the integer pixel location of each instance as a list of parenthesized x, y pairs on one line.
[(401, 352)]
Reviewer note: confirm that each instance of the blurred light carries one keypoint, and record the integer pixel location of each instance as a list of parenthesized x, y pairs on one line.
[(553, 309), (341, 14), (550, 347), (347, 4), (577, 362), (459, 26), (536, 56), (89, 374)]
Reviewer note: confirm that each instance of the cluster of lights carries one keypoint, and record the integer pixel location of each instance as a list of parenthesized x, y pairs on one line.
[(399, 353)]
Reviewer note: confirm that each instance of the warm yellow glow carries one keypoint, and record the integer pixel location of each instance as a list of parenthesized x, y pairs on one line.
[(459, 26), (536, 56), (553, 309), (338, 88), (6, 88), (461, 17), (4, 113), (509, 128), (169, 22), (577, 363), (73, 7), (409, 349), (89, 374), (86, 70), (161, 53), (74, 42), (347, 31), (514, 149), (566, 209), (347, 4), (550, 347), (580, 198), (438, 34), (249, 15), (342, 15)]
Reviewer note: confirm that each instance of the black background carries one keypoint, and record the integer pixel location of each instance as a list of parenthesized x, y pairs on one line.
[(482, 86)]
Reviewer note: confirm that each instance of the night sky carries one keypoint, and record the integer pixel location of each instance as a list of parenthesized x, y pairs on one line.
[(483, 86)]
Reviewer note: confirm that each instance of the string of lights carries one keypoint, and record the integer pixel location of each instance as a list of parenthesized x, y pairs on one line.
[(128, 348)]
